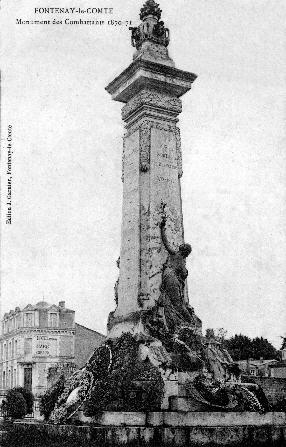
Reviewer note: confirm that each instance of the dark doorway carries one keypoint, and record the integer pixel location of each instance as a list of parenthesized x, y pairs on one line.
[(28, 378)]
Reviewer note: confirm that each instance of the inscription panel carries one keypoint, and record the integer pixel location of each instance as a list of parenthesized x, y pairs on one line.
[(130, 231), (164, 188), (44, 346)]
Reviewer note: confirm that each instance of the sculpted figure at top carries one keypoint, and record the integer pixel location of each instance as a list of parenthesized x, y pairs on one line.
[(151, 29)]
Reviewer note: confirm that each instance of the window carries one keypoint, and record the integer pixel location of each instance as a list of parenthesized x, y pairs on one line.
[(5, 351), (16, 348), (28, 319), (4, 380), (28, 346), (10, 324), (53, 320), (18, 321)]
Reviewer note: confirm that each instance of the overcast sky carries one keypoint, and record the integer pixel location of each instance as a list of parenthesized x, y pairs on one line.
[(67, 141)]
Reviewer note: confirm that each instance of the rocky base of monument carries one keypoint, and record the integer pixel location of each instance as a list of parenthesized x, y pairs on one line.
[(115, 378), (140, 372)]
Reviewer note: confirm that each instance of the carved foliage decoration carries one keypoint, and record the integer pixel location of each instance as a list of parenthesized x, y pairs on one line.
[(151, 28), (179, 152), (123, 159), (156, 33), (150, 7), (163, 126), (145, 142), (153, 99)]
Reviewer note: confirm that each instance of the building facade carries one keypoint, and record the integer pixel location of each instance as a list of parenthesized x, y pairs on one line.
[(86, 340), (38, 338), (278, 370), (256, 368)]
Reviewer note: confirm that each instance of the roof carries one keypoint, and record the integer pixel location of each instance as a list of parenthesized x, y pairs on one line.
[(256, 363), (278, 365), (91, 330), (42, 305), (38, 306)]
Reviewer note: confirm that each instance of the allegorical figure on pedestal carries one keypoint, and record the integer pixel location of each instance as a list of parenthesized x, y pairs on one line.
[(173, 281)]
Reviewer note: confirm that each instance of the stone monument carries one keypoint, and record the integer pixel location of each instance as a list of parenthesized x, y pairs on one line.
[(156, 356), (150, 89)]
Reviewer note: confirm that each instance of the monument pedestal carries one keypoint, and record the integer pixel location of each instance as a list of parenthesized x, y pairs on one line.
[(151, 173)]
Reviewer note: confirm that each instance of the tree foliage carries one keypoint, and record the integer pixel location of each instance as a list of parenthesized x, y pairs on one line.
[(28, 396), (239, 347), (15, 404), (242, 347)]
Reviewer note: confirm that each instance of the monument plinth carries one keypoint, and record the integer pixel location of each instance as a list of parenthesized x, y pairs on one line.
[(150, 88)]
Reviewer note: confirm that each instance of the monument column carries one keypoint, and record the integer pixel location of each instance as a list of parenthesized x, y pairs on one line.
[(150, 88)]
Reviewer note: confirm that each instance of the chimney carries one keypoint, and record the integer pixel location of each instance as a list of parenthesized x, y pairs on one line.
[(62, 305)]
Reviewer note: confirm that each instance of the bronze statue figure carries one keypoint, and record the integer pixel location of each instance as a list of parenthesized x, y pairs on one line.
[(173, 280)]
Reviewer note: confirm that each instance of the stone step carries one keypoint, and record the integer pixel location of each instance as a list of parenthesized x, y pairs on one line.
[(188, 403), (187, 419)]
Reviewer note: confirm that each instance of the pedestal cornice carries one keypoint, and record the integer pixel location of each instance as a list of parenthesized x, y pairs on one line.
[(146, 75)]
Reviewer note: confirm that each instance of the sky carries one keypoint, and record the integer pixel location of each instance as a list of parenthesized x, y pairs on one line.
[(67, 145)]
